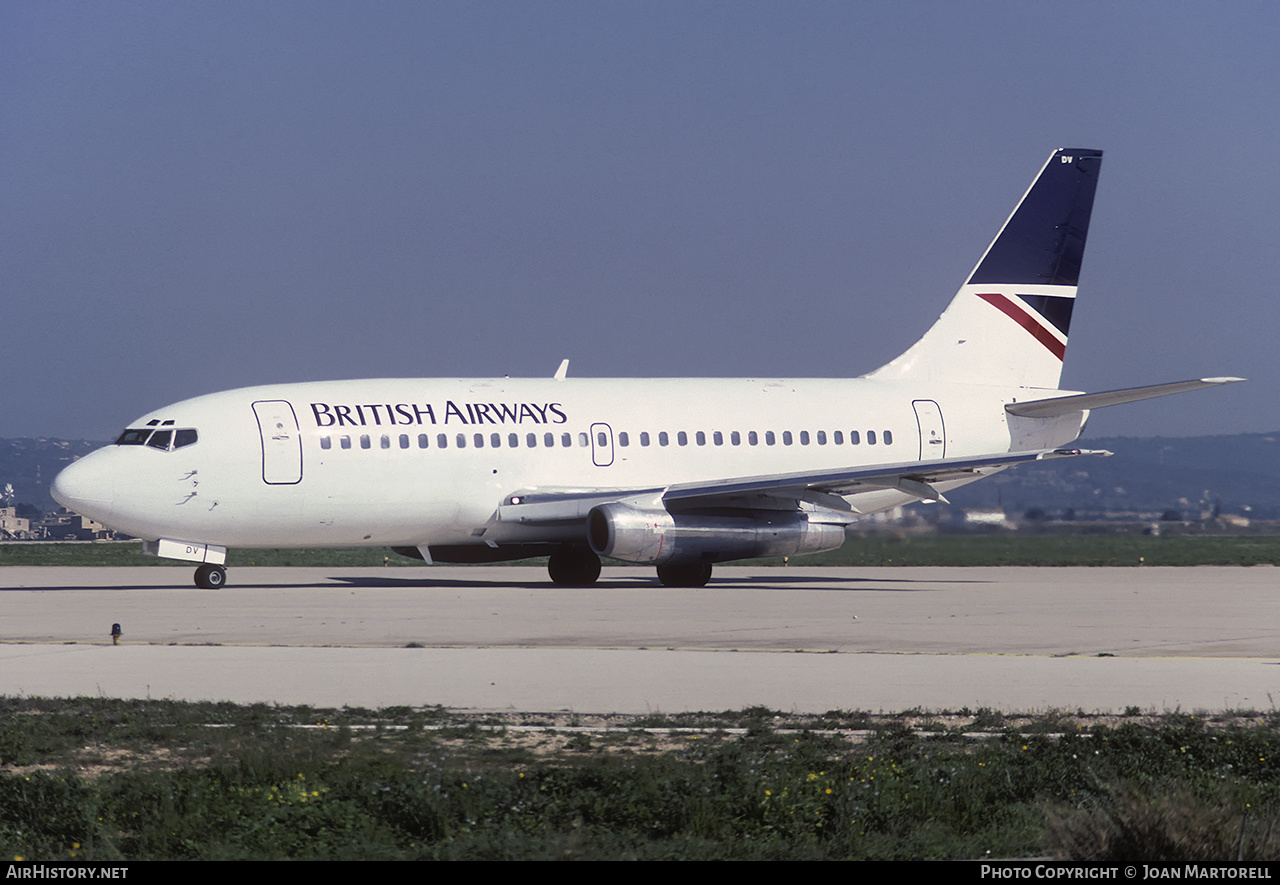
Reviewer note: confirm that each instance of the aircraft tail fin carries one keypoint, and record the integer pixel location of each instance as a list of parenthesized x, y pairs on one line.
[(1008, 323)]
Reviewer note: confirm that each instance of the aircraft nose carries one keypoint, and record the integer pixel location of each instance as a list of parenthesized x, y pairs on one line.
[(84, 486)]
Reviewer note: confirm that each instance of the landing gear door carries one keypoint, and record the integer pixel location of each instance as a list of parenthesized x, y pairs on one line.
[(601, 445), (281, 442), (933, 436)]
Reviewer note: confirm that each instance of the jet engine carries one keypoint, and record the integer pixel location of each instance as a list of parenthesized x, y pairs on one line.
[(655, 537)]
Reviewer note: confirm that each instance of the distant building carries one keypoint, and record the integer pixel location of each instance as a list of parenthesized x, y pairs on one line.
[(63, 525), (13, 526), (992, 518)]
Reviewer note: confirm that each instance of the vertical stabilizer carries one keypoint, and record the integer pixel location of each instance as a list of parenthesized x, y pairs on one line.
[(1008, 323)]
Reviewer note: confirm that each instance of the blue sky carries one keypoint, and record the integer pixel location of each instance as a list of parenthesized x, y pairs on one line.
[(198, 196)]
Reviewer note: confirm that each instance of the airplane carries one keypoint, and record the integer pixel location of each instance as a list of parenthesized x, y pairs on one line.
[(676, 473)]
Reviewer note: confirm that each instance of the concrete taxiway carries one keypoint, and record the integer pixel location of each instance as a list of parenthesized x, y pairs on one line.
[(803, 639)]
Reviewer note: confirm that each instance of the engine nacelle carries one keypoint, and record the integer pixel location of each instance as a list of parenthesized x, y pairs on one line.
[(656, 537)]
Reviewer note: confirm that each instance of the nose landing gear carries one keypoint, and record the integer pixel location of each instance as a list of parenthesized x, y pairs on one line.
[(211, 577)]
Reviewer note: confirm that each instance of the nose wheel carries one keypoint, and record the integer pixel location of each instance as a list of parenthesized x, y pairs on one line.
[(211, 577)]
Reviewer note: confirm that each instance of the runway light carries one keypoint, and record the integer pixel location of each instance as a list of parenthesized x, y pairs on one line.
[(116, 633)]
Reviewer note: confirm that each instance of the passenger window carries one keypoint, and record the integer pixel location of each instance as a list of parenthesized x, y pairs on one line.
[(566, 440), (663, 439), (888, 437), (786, 437), (513, 440), (822, 437), (461, 440), (495, 440), (602, 439), (583, 439), (364, 441), (549, 439), (854, 438), (769, 438), (404, 440), (160, 440), (188, 436), (344, 441), (442, 440), (644, 437), (871, 437), (804, 437), (735, 438), (682, 438), (701, 438), (753, 439), (838, 437), (385, 442), (422, 440), (623, 439), (717, 438), (531, 440), (479, 440), (326, 443)]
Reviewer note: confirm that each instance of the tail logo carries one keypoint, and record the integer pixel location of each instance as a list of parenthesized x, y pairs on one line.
[(1048, 324)]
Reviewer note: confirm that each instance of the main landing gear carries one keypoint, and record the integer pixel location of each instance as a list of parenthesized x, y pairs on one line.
[(694, 574), (573, 567), (579, 567), (211, 577)]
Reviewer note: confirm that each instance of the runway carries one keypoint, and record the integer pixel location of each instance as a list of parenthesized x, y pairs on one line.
[(795, 639)]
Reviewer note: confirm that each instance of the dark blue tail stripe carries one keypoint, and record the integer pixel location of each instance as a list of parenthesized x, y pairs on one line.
[(1043, 242), (1054, 308)]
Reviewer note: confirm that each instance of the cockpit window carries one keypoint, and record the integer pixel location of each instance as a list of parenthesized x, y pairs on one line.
[(158, 439)]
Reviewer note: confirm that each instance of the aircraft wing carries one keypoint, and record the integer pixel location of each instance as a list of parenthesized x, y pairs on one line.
[(912, 477), (548, 506)]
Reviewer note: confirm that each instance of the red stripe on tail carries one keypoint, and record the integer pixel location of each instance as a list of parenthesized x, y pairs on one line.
[(1024, 319)]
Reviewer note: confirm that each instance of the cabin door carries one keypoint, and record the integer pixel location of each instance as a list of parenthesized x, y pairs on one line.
[(601, 445), (933, 437), (281, 442)]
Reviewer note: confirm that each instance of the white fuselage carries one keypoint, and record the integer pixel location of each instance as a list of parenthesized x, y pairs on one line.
[(402, 462)]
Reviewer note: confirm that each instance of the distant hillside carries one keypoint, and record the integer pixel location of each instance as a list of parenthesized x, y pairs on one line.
[(1241, 472), (1148, 475)]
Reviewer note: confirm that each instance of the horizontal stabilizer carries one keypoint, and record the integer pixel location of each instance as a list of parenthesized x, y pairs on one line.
[(1065, 405)]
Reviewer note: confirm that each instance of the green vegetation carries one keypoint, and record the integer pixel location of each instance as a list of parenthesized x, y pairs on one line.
[(873, 550), (98, 779)]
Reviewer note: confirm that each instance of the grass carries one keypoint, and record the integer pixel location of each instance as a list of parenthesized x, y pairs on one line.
[(872, 550), (98, 779)]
